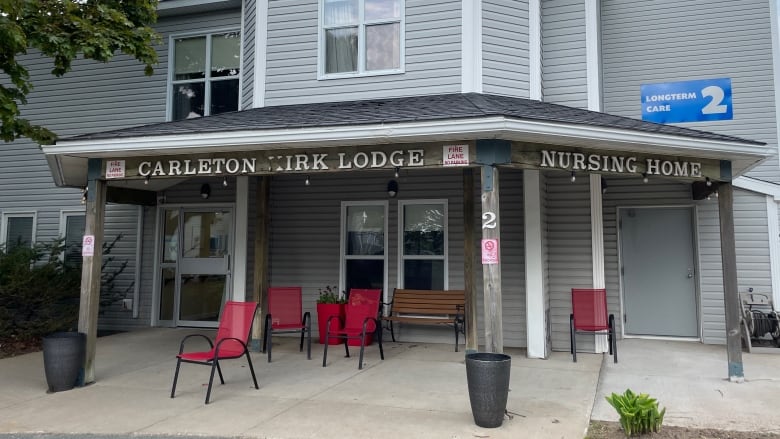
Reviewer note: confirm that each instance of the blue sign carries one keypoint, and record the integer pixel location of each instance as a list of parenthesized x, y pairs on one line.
[(687, 101)]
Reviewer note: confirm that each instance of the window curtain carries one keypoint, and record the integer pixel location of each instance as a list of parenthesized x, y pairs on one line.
[(341, 44)]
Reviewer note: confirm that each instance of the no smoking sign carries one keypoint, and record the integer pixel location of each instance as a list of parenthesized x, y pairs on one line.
[(489, 251)]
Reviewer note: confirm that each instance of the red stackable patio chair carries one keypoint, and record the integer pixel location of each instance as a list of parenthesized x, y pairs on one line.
[(589, 316), (235, 326), (285, 315), (361, 318)]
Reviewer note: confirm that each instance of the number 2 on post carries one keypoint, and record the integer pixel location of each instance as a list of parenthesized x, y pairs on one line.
[(488, 220)]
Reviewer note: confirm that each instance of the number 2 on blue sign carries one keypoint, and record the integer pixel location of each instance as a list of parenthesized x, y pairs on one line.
[(714, 106)]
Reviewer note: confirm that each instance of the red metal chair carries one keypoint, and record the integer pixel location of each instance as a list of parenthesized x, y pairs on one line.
[(361, 318), (285, 315), (235, 326), (589, 316)]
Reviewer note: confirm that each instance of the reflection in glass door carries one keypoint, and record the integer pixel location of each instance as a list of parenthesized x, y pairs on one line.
[(195, 265)]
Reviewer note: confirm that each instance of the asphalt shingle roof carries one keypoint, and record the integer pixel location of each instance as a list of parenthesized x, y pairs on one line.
[(400, 110)]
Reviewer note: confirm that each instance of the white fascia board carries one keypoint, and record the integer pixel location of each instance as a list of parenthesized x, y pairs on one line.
[(759, 186), (510, 129)]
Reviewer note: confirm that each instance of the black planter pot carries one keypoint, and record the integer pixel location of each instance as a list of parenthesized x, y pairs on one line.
[(63, 359), (488, 380)]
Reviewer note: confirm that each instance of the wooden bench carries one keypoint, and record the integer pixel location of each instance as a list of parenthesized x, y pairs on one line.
[(428, 307)]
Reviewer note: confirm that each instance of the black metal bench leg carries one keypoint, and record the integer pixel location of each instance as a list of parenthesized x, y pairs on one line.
[(392, 334), (456, 336)]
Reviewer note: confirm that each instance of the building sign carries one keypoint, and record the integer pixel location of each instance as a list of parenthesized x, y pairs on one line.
[(687, 101), (577, 161), (455, 155), (489, 251), (267, 163), (115, 169)]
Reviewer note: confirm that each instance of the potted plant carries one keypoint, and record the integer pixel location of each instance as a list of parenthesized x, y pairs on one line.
[(329, 303)]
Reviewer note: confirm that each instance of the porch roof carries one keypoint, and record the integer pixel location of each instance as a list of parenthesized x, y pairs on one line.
[(445, 117)]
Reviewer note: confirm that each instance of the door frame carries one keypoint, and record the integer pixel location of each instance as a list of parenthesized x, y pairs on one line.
[(696, 263), (158, 248)]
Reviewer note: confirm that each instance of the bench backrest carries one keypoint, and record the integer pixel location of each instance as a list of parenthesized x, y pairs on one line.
[(449, 302)]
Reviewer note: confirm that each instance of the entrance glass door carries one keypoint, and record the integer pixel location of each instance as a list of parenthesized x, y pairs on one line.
[(195, 265)]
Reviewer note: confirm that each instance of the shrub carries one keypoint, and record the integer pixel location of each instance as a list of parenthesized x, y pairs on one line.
[(638, 413), (40, 294)]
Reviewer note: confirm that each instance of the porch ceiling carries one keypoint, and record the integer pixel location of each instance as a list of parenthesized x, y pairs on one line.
[(449, 117)]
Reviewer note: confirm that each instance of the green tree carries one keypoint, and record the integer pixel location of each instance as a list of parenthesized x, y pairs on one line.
[(63, 30)]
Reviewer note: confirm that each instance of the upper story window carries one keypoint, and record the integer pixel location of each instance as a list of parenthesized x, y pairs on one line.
[(204, 77), (361, 37)]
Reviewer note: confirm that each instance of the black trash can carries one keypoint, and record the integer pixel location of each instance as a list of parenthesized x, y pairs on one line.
[(487, 375), (63, 359)]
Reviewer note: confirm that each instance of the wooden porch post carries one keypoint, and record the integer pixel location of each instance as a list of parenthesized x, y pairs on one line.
[(730, 288), (260, 278), (469, 243), (91, 265), (491, 272)]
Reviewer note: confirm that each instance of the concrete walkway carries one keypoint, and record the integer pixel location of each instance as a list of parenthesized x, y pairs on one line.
[(690, 380), (418, 391)]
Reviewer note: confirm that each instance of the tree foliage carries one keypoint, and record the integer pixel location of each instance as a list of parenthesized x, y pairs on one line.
[(63, 30)]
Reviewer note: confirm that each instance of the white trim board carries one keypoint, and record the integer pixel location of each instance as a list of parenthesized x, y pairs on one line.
[(760, 186)]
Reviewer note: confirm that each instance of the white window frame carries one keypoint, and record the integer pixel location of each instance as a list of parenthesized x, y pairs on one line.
[(343, 257), (401, 257), (64, 215), (207, 80), (24, 214), (361, 62)]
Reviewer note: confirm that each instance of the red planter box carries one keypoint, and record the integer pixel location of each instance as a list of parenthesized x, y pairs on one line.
[(324, 311)]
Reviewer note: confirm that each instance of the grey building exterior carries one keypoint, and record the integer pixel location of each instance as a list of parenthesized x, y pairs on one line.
[(556, 232)]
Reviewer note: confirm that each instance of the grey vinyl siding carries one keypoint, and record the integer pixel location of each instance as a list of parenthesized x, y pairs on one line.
[(432, 55), (564, 74), (122, 223), (248, 51), (505, 47), (713, 314), (512, 247), (569, 251), (752, 241), (660, 41)]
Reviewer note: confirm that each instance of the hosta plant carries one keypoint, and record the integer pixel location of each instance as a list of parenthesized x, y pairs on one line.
[(639, 413)]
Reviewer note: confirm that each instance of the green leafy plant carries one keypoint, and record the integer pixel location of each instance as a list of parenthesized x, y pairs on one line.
[(329, 294), (639, 413)]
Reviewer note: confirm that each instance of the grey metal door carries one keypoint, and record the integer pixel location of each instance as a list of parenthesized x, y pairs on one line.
[(659, 276)]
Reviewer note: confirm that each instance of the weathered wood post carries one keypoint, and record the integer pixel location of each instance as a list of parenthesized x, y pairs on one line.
[(260, 277), (490, 153), (92, 254), (730, 288)]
